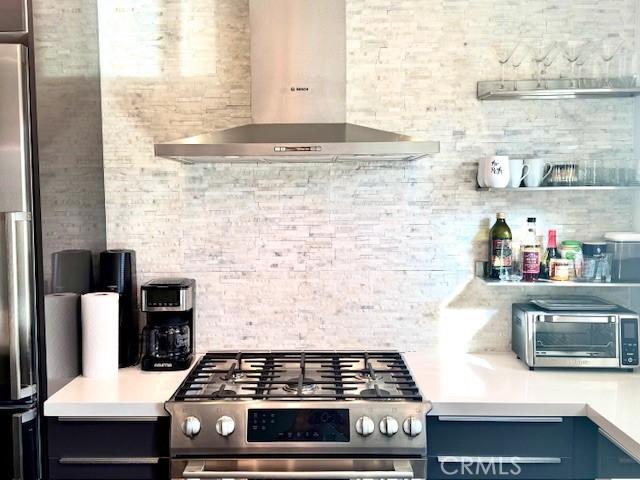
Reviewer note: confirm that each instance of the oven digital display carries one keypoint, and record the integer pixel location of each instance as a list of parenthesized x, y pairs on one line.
[(629, 330), (298, 425), (162, 296)]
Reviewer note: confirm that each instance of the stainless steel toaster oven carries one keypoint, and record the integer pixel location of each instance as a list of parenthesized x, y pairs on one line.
[(565, 338)]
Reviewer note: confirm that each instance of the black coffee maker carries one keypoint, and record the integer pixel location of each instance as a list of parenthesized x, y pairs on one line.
[(169, 333)]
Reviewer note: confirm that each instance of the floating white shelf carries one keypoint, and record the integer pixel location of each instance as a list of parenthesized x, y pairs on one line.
[(557, 89), (548, 283), (576, 188)]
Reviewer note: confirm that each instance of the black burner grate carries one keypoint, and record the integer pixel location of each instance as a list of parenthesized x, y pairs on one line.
[(311, 375)]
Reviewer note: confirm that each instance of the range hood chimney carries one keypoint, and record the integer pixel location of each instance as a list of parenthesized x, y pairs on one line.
[(298, 96)]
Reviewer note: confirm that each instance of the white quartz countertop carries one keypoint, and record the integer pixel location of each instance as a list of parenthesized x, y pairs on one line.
[(133, 393), (466, 384), (500, 385)]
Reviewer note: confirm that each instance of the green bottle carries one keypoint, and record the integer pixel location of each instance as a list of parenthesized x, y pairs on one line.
[(500, 248)]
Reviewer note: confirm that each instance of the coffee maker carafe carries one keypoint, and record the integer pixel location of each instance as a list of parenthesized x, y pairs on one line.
[(169, 332)]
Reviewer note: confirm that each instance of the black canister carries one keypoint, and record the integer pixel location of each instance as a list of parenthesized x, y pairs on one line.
[(117, 274)]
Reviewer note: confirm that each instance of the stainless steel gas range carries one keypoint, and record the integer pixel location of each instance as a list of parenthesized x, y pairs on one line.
[(298, 415)]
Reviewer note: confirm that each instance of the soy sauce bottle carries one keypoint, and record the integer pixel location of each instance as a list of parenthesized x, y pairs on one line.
[(551, 253)]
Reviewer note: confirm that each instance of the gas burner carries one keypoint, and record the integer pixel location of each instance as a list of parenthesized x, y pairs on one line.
[(234, 377), (375, 393), (309, 386), (224, 394), (365, 376), (276, 376)]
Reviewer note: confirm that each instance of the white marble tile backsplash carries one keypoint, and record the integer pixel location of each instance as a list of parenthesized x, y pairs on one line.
[(348, 255)]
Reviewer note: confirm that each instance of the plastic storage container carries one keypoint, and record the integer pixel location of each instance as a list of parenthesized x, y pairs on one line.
[(571, 250), (625, 256), (597, 262)]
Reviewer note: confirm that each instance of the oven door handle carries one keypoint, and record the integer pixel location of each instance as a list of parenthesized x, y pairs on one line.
[(401, 469), (575, 319)]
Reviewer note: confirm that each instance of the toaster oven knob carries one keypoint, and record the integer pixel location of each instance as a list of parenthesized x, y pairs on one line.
[(412, 426), (225, 426), (365, 426), (191, 427), (389, 426)]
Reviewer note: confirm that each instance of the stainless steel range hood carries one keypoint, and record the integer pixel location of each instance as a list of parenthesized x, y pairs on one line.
[(298, 96), (296, 143)]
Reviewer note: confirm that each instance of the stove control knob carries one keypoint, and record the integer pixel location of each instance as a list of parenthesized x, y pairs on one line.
[(191, 426), (225, 426), (412, 426), (389, 426), (365, 426)]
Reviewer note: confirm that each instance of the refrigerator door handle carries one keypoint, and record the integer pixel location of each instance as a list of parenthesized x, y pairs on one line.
[(15, 131), (20, 289), (19, 419)]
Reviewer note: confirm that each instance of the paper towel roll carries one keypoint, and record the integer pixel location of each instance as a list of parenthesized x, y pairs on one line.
[(100, 334), (62, 339)]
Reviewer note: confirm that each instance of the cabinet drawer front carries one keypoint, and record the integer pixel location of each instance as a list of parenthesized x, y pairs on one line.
[(108, 469), (486, 468), (614, 462), (99, 438), (500, 436)]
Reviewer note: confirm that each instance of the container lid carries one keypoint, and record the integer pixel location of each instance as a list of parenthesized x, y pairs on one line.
[(576, 303), (501, 216), (622, 236), (592, 249), (531, 219), (572, 244)]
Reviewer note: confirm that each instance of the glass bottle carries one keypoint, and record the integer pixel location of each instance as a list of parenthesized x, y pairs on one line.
[(531, 253), (500, 249), (551, 254)]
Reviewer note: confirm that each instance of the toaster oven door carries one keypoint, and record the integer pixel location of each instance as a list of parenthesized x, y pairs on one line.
[(566, 340)]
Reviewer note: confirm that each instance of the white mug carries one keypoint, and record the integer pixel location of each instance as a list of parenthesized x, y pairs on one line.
[(496, 171), (536, 172), (519, 171)]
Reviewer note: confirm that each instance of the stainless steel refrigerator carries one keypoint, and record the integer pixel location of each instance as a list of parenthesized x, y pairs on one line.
[(51, 199), (18, 393)]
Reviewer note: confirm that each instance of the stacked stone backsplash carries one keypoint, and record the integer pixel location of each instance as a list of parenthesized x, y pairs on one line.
[(355, 255), (67, 75)]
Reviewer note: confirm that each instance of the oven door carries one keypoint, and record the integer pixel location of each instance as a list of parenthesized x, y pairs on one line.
[(335, 468), (576, 340)]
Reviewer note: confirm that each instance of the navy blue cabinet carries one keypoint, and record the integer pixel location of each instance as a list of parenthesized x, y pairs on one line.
[(108, 449), (499, 447), (511, 447), (613, 461), (585, 448)]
